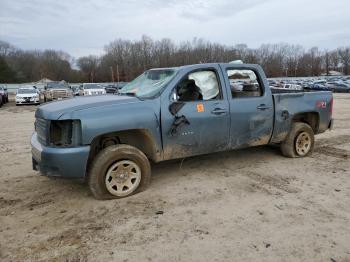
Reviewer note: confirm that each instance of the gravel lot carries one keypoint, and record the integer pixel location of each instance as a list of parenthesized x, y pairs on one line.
[(246, 205)]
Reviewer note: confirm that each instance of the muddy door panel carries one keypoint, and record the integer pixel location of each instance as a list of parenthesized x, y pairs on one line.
[(251, 105), (204, 128), (250, 126)]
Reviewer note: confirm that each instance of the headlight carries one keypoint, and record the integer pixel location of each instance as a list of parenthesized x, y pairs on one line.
[(65, 133), (18, 97)]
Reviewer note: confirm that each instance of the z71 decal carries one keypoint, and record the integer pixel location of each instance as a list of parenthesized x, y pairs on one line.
[(321, 104)]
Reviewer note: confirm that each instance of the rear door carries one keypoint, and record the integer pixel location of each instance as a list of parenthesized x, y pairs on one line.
[(206, 113), (251, 105)]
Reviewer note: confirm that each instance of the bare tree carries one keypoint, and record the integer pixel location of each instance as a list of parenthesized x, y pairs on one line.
[(124, 59), (344, 55), (89, 65)]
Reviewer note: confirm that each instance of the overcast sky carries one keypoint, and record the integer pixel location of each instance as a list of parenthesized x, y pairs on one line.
[(82, 27)]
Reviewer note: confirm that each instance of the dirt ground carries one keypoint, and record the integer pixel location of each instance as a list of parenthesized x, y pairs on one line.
[(246, 205)]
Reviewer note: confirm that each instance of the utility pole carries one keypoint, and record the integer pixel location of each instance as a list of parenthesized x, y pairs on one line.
[(118, 73), (112, 73)]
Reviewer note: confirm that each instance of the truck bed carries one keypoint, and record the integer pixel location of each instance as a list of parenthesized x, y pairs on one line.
[(293, 104)]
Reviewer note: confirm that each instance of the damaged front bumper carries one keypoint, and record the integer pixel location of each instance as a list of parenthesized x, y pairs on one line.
[(59, 162)]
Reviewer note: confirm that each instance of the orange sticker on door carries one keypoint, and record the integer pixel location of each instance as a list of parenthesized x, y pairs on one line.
[(200, 108)]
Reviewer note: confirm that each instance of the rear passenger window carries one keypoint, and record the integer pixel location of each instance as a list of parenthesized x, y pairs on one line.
[(244, 83)]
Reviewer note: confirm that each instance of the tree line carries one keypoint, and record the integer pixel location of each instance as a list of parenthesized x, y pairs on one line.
[(123, 60), (21, 66)]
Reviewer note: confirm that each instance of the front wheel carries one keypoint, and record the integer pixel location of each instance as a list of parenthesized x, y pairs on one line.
[(299, 142), (119, 171)]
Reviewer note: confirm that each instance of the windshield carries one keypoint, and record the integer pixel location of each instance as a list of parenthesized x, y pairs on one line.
[(92, 86), (26, 91), (149, 83), (57, 85)]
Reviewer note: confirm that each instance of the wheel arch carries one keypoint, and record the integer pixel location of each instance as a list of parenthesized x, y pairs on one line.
[(141, 139), (310, 118)]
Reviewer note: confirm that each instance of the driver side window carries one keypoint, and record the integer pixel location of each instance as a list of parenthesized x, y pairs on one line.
[(198, 86)]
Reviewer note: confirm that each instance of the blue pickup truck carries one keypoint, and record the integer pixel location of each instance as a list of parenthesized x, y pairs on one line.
[(172, 113)]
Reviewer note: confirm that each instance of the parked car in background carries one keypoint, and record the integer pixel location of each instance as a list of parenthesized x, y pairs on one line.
[(75, 90), (27, 95), (317, 87), (111, 88), (293, 87), (90, 89), (340, 87), (57, 91), (4, 94)]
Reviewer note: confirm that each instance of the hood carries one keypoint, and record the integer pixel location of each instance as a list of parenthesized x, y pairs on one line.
[(27, 95), (94, 90), (54, 110), (58, 89)]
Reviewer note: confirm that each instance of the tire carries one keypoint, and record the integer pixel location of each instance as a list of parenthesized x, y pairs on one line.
[(299, 142), (110, 160)]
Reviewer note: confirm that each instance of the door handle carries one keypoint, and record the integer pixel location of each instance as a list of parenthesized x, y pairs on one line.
[(263, 107), (219, 111)]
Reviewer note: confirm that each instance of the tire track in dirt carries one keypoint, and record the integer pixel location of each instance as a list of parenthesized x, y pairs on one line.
[(266, 182), (326, 146)]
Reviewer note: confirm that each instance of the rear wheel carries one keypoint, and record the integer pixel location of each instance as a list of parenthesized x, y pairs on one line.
[(119, 171), (299, 142)]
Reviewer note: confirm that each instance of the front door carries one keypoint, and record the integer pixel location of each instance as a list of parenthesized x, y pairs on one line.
[(201, 124)]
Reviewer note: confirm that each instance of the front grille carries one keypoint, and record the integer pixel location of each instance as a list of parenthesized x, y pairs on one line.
[(41, 127), (59, 94)]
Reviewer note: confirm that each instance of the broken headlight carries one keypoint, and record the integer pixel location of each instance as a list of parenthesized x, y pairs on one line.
[(65, 133)]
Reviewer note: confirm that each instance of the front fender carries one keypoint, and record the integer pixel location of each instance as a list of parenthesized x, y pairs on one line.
[(114, 118)]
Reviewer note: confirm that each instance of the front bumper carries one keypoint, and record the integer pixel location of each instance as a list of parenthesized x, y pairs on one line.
[(24, 101), (59, 162)]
